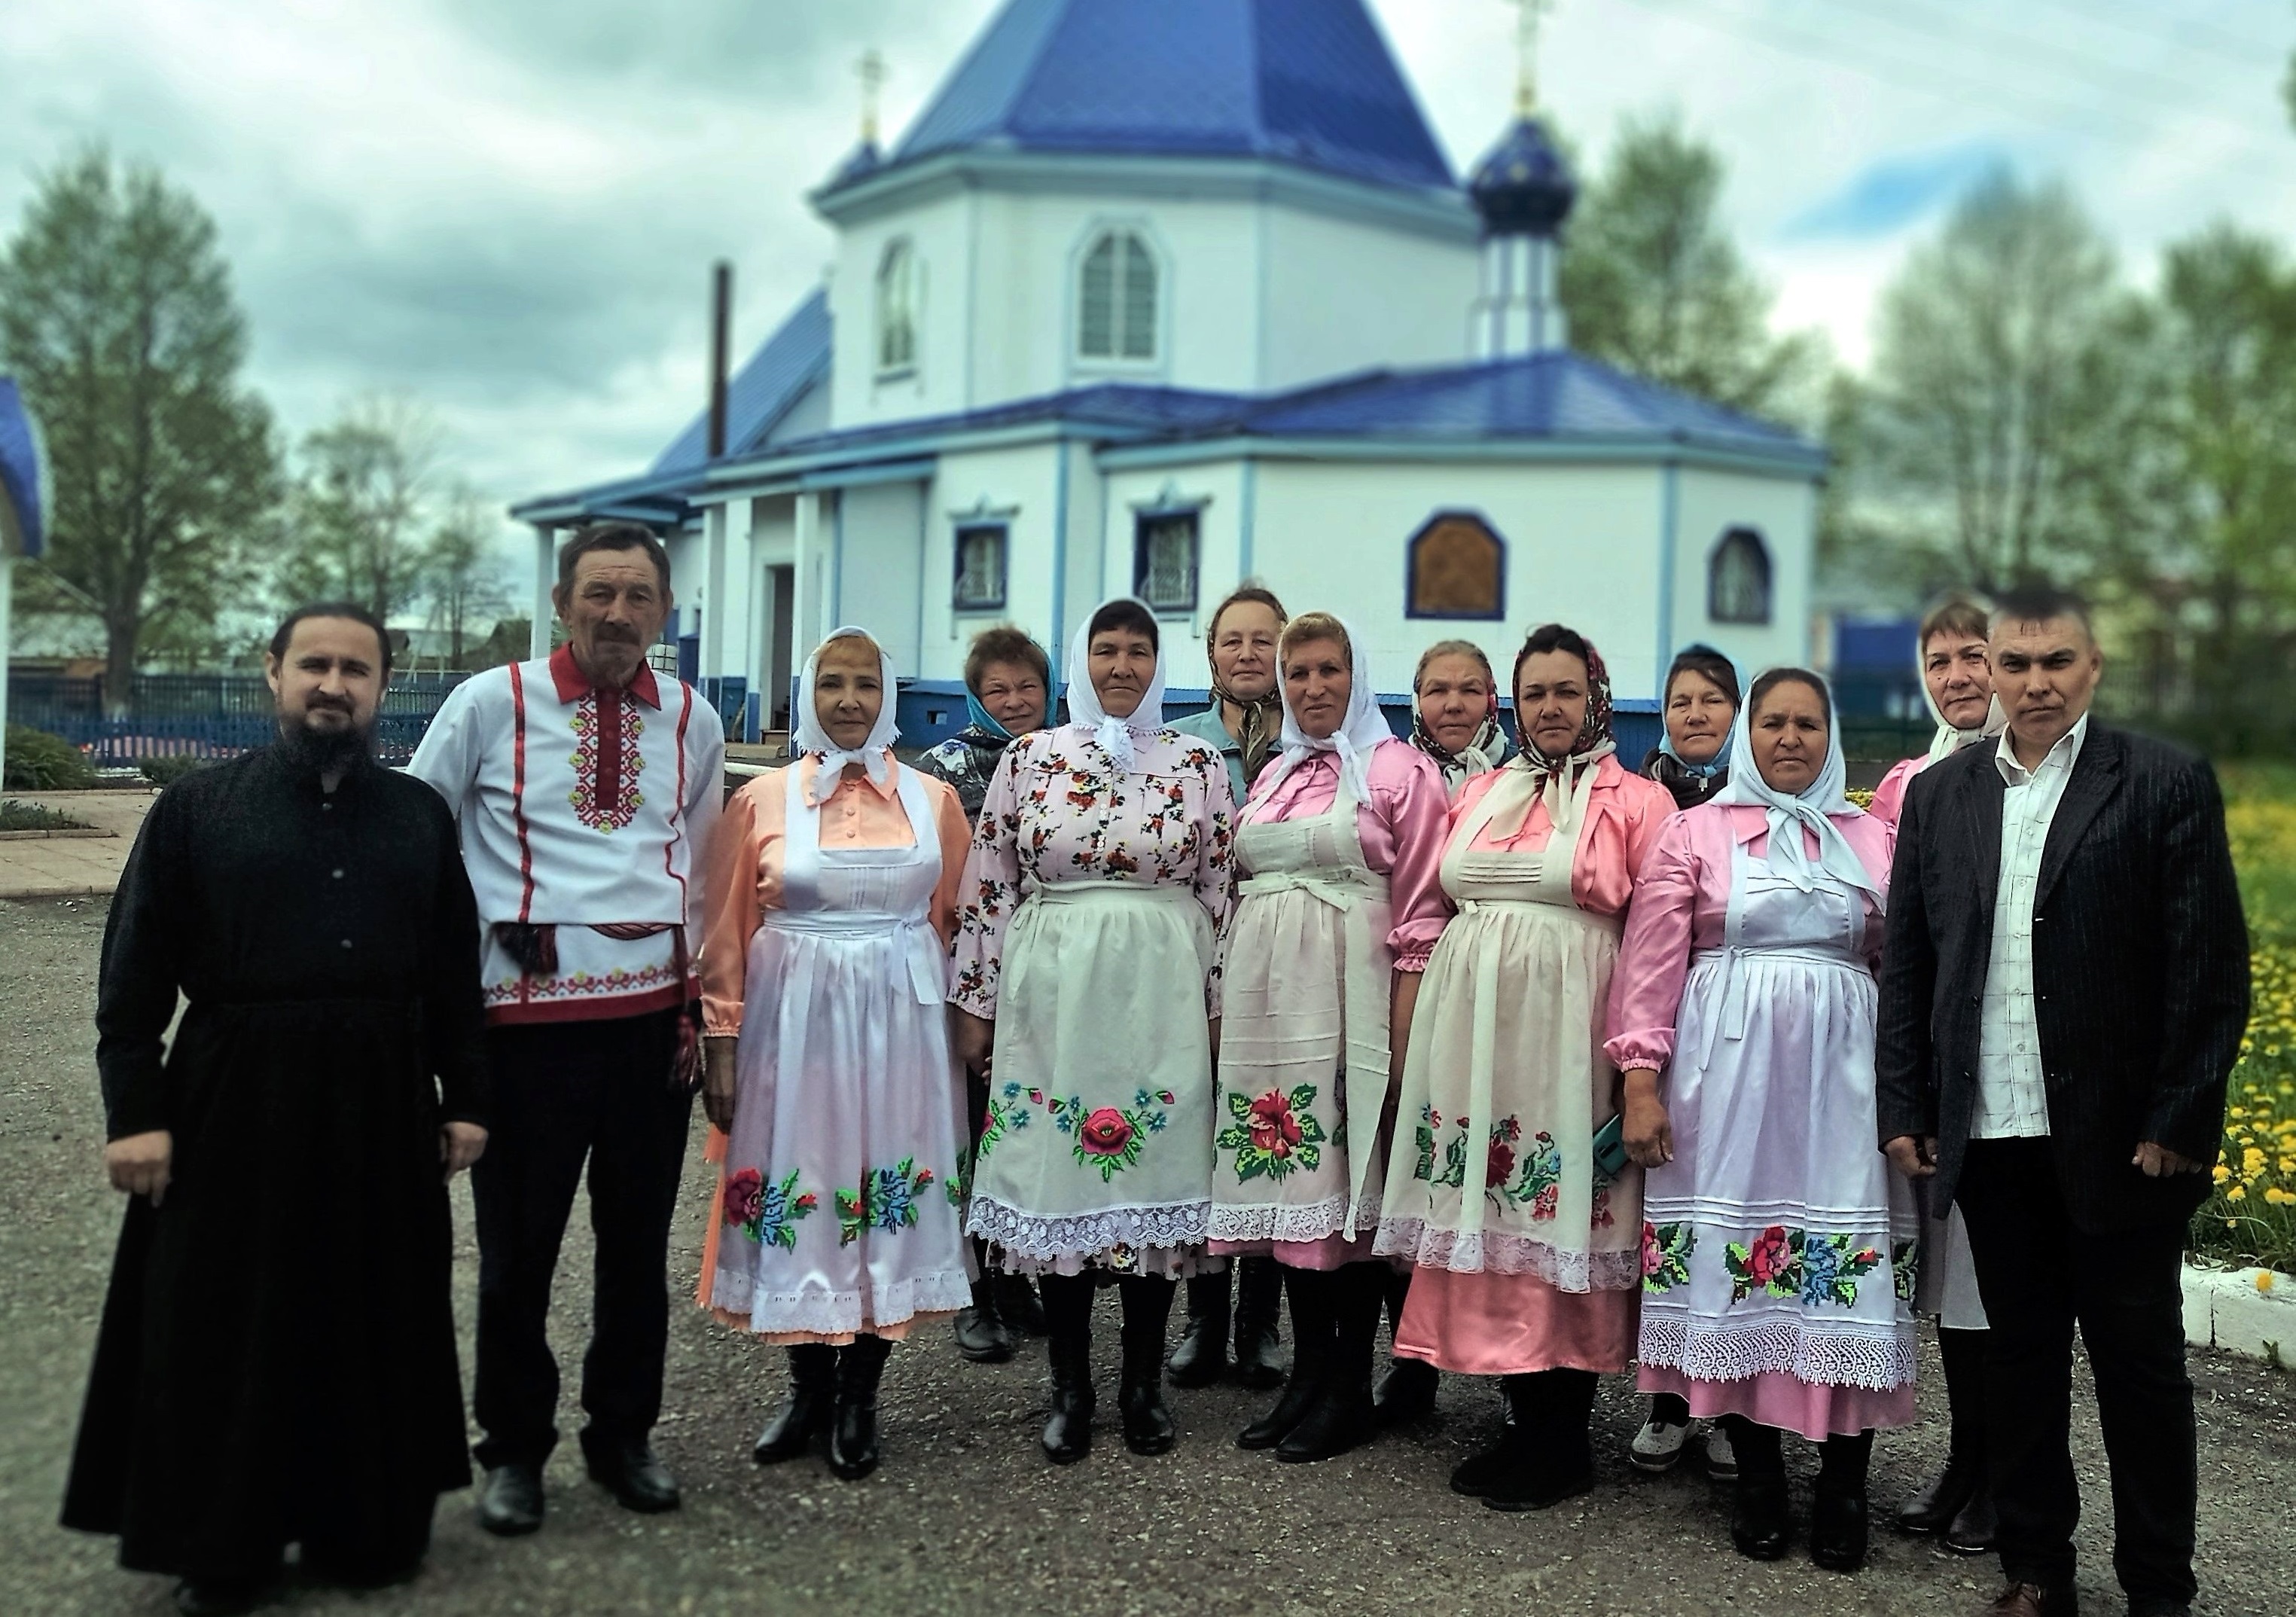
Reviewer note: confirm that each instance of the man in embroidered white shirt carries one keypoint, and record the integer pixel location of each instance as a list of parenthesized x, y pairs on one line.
[(2063, 992), (585, 790)]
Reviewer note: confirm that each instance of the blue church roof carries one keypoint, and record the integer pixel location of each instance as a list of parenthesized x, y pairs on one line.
[(19, 467), (1309, 82), (761, 392)]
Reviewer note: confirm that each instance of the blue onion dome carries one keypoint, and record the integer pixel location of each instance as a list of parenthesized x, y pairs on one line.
[(1522, 186)]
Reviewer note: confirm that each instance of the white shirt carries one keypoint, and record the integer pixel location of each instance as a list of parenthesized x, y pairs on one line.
[(2013, 1099), (581, 808)]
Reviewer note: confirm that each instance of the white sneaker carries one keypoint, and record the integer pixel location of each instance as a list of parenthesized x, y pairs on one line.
[(1721, 1459), (1658, 1446)]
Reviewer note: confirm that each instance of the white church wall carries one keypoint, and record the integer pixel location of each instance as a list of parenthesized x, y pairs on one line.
[(1218, 490), (937, 231), (1344, 294), (1784, 511), (1020, 487), (1582, 546), (877, 535)]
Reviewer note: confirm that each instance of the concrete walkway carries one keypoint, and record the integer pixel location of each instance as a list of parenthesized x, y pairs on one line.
[(74, 865)]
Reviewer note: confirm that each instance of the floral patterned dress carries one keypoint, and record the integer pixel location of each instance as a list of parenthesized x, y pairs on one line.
[(1778, 1254), (1094, 899)]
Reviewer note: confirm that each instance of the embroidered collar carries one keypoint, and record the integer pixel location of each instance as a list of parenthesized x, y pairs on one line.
[(573, 684)]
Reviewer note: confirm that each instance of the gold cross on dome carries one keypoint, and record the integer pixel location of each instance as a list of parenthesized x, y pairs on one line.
[(871, 71), (1528, 15)]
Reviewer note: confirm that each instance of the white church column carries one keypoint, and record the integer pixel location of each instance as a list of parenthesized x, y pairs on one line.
[(805, 586), (546, 575)]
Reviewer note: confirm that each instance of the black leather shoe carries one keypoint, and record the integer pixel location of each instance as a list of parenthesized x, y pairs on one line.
[(509, 1501), (1541, 1478), (1406, 1392), (982, 1336), (1287, 1412), (220, 1597), (1340, 1419), (1201, 1357), (1757, 1517), (1932, 1507), (806, 1413), (1480, 1472), (1837, 1531), (853, 1435), (1148, 1425), (1975, 1529), (631, 1475), (1258, 1303), (1067, 1429)]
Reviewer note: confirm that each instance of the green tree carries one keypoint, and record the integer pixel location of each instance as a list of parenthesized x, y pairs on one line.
[(2009, 383), (361, 508), (464, 574), (2218, 585), (1652, 283), (117, 318)]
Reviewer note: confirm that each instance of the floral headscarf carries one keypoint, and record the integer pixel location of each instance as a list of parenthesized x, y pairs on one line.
[(1557, 782)]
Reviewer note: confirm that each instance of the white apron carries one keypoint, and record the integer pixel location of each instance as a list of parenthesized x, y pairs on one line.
[(842, 1189), (1506, 1080), (1779, 1241), (1304, 1034), (1096, 1148)]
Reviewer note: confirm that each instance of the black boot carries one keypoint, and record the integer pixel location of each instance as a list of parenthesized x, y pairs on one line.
[(1933, 1507), (812, 1403), (1341, 1416), (1555, 1461), (1201, 1357), (1258, 1303), (853, 1435), (1016, 1301), (1313, 1323), (982, 1336), (1068, 1344), (1838, 1526), (1406, 1392), (1148, 1425), (1758, 1515), (1481, 1471)]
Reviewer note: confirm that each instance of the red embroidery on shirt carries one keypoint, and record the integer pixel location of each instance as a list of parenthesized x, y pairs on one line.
[(607, 762)]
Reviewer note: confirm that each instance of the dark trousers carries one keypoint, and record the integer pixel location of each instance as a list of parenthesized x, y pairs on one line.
[(564, 1092), (2039, 1278)]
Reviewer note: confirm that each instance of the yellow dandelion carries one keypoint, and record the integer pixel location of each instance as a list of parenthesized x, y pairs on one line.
[(2238, 1193), (2220, 1173), (2264, 1280)]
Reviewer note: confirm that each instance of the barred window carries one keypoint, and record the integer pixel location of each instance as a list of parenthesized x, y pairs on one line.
[(980, 550), (897, 308), (1164, 560), (1738, 578)]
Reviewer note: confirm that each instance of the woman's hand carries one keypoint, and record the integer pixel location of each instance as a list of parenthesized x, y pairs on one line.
[(719, 1081), (974, 1038), (1648, 1134)]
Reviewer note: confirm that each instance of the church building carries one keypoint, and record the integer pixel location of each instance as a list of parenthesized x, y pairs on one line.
[(1158, 298)]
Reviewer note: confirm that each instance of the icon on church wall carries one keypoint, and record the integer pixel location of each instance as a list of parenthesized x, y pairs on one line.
[(1456, 569)]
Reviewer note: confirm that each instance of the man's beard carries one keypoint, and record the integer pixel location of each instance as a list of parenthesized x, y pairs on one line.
[(324, 752)]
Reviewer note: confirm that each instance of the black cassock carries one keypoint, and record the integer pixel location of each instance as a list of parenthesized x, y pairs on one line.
[(276, 1363)]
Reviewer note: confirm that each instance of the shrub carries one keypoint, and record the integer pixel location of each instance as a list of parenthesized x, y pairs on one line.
[(168, 767), (34, 816), (38, 761)]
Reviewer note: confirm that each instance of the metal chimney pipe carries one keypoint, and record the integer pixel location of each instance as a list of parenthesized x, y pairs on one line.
[(721, 321)]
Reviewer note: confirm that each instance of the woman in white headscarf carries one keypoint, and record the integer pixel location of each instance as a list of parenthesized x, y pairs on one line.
[(1777, 1248), (1956, 1502), (834, 1101), (1088, 975), (1338, 909)]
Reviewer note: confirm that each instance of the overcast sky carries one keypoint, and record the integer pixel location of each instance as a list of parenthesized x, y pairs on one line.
[(508, 207)]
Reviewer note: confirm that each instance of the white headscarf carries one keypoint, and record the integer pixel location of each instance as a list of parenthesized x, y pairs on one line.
[(1948, 741), (1811, 808), (1362, 730), (1115, 735), (875, 754)]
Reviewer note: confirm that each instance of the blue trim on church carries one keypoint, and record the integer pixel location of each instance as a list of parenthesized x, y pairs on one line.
[(19, 468)]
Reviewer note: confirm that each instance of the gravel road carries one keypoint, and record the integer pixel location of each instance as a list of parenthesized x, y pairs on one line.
[(965, 1516)]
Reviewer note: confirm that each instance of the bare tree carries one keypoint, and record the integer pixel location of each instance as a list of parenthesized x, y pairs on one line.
[(369, 482), (464, 574)]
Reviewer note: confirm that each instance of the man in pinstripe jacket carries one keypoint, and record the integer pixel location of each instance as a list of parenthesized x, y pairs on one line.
[(2064, 994)]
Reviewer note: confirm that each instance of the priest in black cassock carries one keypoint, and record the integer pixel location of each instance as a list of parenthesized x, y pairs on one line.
[(276, 1364)]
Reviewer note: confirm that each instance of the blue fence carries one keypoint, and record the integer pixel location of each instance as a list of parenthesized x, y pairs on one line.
[(206, 715)]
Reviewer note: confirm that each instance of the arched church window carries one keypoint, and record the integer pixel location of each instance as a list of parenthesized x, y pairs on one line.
[(1738, 578), (1115, 301), (897, 308), (1455, 566)]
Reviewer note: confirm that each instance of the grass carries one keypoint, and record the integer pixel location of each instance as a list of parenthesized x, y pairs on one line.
[(17, 815), (2252, 1216)]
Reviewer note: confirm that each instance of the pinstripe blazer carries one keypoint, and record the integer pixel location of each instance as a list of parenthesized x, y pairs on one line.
[(2140, 969)]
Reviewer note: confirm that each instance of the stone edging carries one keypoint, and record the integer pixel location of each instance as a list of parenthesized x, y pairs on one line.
[(59, 831), (2226, 1308)]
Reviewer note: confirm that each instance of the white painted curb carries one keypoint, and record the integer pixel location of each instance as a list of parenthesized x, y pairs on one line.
[(2227, 1308)]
